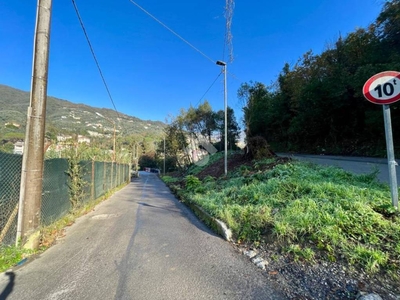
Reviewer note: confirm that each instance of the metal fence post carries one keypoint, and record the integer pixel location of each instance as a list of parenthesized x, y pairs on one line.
[(92, 196)]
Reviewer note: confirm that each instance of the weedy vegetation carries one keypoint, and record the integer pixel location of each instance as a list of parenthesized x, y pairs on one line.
[(170, 179), (310, 210), (11, 255)]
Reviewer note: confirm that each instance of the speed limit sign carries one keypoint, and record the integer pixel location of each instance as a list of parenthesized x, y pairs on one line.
[(383, 88)]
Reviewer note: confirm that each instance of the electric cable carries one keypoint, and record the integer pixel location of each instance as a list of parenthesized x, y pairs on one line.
[(173, 32), (208, 89), (94, 57)]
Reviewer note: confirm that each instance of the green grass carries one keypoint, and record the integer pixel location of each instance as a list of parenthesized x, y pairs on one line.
[(311, 210), (169, 179), (11, 255)]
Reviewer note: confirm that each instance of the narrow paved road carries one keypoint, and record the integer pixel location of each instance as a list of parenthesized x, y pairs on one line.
[(356, 165), (140, 244)]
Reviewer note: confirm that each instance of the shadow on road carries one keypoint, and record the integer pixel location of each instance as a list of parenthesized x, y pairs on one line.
[(153, 206), (10, 286), (173, 205)]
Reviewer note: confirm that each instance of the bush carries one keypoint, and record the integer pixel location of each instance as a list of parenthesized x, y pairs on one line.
[(258, 148), (169, 179), (192, 182)]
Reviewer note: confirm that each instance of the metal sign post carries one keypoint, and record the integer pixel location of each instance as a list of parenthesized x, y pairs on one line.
[(390, 155), (384, 88)]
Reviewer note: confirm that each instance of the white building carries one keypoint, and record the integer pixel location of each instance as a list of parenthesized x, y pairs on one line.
[(19, 148), (83, 139), (63, 138)]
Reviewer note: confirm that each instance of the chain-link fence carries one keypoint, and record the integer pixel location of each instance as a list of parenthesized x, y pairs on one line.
[(10, 180), (97, 178), (87, 177), (100, 177), (55, 192)]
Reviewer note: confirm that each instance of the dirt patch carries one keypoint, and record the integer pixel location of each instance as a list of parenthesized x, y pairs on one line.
[(217, 169), (236, 161)]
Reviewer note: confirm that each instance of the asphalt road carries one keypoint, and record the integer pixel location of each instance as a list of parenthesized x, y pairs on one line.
[(356, 165), (140, 244)]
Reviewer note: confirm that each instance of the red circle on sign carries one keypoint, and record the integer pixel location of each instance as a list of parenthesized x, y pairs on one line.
[(367, 85)]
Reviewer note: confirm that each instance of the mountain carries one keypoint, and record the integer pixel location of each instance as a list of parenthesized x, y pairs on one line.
[(64, 117)]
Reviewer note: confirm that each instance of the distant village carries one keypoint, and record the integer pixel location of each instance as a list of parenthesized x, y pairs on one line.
[(63, 141)]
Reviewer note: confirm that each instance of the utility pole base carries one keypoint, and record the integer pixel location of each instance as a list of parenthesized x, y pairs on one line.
[(33, 241)]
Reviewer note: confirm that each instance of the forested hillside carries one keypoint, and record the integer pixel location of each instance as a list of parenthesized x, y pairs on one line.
[(317, 105), (67, 118)]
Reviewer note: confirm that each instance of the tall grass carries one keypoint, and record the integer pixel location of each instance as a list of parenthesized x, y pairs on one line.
[(315, 210)]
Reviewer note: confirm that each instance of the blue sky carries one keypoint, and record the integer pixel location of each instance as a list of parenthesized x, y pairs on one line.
[(150, 72)]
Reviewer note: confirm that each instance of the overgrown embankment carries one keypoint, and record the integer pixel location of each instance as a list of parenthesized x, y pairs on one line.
[(309, 213)]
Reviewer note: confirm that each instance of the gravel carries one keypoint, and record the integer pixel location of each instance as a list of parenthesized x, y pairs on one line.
[(320, 279)]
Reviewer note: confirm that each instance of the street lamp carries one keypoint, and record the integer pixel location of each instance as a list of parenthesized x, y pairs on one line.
[(112, 122), (223, 64)]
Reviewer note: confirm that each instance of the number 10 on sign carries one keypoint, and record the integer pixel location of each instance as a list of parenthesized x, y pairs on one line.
[(383, 88)]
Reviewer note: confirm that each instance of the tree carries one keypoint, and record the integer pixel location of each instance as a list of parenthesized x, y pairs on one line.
[(317, 105), (206, 120), (175, 144), (388, 27), (233, 129), (148, 161), (198, 122), (255, 97)]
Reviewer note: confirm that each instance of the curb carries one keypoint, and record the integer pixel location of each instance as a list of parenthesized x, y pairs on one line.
[(215, 224)]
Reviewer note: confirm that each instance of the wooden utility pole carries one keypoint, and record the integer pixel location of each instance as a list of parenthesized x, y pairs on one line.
[(32, 166)]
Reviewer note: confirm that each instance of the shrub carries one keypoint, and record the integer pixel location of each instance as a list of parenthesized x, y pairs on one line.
[(192, 182), (258, 148)]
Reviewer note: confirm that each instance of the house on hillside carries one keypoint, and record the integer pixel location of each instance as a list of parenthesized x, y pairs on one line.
[(63, 138), (83, 139), (19, 148), (12, 124)]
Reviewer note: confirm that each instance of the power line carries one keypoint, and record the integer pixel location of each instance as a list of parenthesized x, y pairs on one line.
[(94, 56), (209, 88), (173, 32), (233, 76)]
